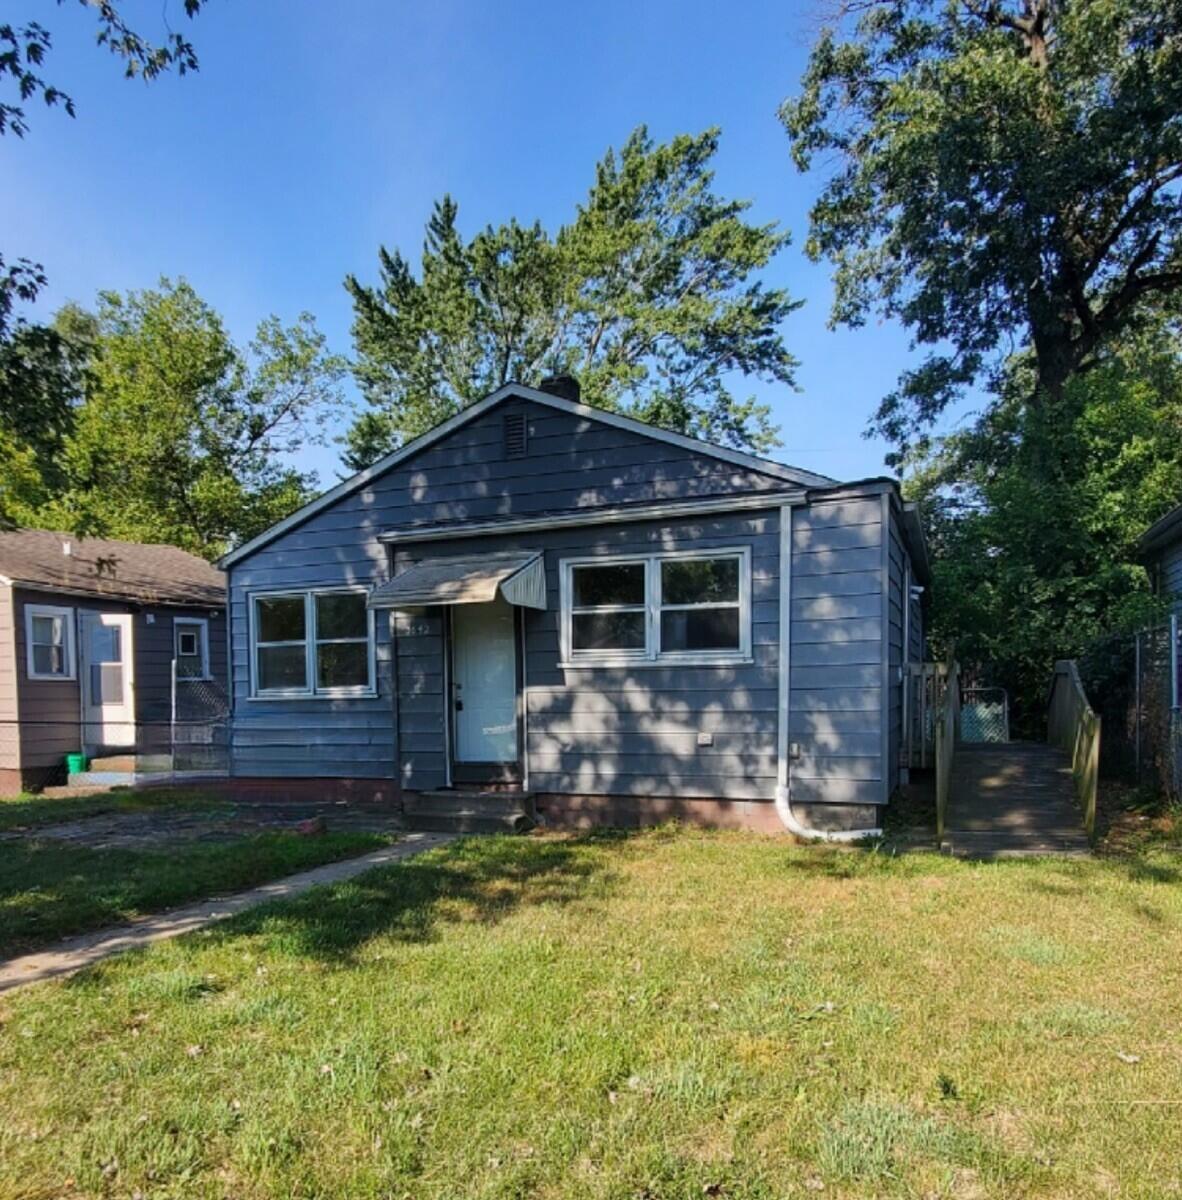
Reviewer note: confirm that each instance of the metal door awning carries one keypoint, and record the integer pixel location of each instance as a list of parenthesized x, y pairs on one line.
[(519, 576)]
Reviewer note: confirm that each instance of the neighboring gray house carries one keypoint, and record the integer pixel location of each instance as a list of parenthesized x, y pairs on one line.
[(89, 629), (1161, 551), (621, 622)]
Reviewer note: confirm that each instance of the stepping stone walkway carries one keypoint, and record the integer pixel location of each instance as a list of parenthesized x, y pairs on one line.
[(78, 952)]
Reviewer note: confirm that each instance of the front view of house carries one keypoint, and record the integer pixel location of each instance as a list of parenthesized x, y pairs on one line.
[(623, 623)]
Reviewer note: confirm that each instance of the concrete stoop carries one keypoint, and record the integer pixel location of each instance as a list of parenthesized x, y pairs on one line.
[(457, 811)]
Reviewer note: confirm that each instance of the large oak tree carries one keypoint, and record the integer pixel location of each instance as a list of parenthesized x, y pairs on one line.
[(1000, 173)]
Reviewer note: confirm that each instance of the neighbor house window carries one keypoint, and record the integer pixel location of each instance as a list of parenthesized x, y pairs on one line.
[(191, 647), (49, 642), (312, 643), (678, 607)]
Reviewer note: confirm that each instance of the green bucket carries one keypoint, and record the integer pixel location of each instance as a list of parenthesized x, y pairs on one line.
[(75, 764)]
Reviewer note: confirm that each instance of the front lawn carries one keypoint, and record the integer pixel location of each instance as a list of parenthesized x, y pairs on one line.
[(673, 1014), (51, 889), (28, 811)]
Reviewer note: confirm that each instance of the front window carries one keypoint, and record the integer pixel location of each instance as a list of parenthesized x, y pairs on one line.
[(313, 643), (700, 608), (342, 641), (608, 607), (662, 607), (49, 637)]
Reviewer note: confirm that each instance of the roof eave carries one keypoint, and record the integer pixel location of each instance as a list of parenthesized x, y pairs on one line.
[(1160, 532)]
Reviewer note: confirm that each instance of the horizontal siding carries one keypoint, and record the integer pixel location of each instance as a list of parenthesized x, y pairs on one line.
[(618, 731), (50, 710), (10, 742), (836, 702), (896, 557), (572, 463), (1171, 570)]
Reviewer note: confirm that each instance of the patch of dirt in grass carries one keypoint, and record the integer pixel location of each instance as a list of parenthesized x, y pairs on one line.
[(1130, 820)]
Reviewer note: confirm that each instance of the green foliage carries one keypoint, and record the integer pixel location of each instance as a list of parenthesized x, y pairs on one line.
[(42, 376), (646, 296), (1004, 172), (1035, 513), (144, 421), (179, 431)]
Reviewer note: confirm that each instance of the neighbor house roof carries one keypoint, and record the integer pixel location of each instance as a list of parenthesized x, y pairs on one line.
[(151, 574), (1162, 532), (752, 462)]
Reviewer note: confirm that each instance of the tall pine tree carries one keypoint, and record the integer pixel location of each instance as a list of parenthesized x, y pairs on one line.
[(649, 296)]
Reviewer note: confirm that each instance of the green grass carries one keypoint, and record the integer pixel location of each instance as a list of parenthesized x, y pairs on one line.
[(28, 811), (670, 1015), (50, 889)]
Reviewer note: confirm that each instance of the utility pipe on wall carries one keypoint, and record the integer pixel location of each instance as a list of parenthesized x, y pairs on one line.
[(783, 766)]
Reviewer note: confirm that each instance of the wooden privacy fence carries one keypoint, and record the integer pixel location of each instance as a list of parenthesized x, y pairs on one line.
[(1074, 727), (923, 694), (946, 717)]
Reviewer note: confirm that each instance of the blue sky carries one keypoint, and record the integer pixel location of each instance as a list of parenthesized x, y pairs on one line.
[(316, 131)]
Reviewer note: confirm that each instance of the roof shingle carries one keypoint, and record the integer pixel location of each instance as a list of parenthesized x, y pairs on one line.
[(152, 574)]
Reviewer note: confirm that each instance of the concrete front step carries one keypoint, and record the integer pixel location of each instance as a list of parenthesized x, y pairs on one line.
[(454, 811)]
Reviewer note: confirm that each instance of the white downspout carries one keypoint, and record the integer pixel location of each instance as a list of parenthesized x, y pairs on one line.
[(783, 770)]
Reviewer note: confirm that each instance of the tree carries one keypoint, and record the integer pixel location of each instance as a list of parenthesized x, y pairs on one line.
[(1026, 569), (42, 380), (647, 296), (1006, 173), (23, 49), (178, 436)]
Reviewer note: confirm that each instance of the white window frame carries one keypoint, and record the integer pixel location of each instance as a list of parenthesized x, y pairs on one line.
[(69, 659), (310, 691), (652, 655), (201, 625)]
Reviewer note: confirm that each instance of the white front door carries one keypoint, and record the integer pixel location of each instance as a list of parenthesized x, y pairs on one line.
[(108, 706), (484, 662)]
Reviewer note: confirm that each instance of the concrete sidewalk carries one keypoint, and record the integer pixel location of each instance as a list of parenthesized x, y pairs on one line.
[(75, 953)]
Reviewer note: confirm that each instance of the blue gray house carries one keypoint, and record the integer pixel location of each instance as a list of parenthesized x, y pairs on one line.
[(1160, 548), (603, 620)]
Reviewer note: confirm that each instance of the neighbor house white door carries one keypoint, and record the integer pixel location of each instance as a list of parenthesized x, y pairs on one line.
[(484, 662), (108, 704)]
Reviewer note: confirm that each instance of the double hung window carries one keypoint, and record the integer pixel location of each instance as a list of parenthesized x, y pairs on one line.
[(312, 643), (674, 607)]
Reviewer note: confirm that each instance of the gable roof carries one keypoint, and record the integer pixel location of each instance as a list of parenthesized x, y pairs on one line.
[(151, 574), (752, 462)]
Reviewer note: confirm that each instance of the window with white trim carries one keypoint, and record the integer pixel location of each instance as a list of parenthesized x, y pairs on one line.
[(49, 642), (689, 606), (312, 643), (190, 636)]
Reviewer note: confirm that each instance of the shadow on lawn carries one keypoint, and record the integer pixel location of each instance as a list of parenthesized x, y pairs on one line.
[(481, 880)]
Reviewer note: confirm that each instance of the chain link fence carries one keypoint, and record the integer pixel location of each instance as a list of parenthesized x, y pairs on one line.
[(178, 732), (200, 730), (1132, 681)]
